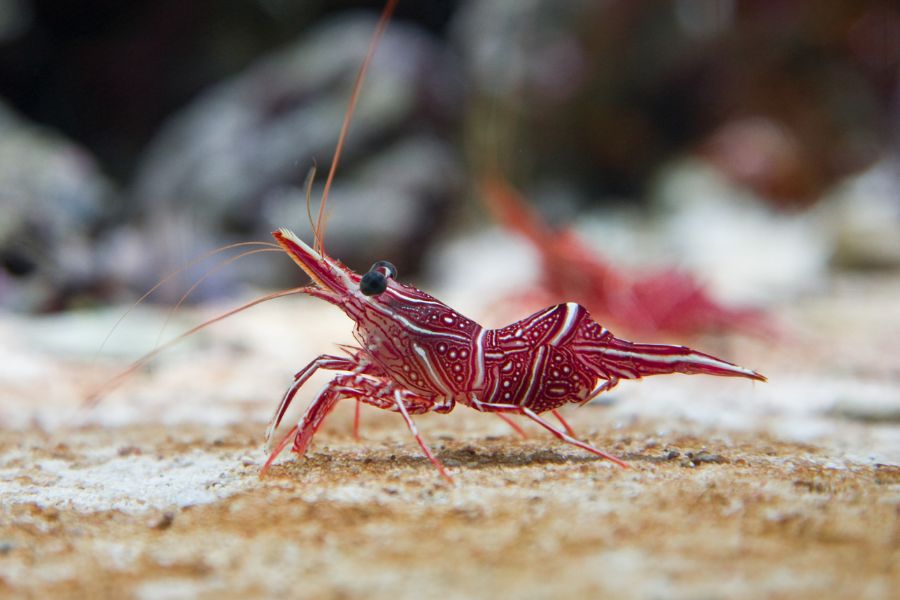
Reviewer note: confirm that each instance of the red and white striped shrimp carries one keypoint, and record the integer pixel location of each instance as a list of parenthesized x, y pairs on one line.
[(417, 355)]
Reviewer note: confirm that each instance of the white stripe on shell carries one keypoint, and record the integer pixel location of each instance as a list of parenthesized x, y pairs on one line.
[(408, 324), (402, 296), (479, 359), (438, 381), (538, 359), (669, 359), (569, 321)]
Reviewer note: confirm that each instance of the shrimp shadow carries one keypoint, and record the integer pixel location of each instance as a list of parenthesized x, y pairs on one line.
[(504, 454), (483, 455)]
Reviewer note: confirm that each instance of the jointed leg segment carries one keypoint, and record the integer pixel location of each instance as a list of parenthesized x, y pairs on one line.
[(398, 399), (518, 429), (358, 386), (325, 361), (567, 438), (562, 435), (563, 422)]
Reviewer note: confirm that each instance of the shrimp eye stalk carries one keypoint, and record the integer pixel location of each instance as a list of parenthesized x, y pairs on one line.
[(385, 268)]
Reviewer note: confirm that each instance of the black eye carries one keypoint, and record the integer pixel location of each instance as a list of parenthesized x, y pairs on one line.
[(373, 283), (385, 268)]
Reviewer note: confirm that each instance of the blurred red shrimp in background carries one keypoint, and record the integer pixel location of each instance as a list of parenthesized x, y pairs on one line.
[(667, 301)]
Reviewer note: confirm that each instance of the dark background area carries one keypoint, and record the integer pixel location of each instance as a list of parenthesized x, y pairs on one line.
[(107, 73)]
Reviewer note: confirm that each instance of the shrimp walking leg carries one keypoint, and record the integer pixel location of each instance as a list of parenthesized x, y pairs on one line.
[(513, 425), (363, 388), (563, 422), (562, 435), (355, 363), (398, 399), (325, 361), (389, 397), (518, 429)]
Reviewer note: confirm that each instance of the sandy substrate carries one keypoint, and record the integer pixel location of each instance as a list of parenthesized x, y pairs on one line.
[(736, 490)]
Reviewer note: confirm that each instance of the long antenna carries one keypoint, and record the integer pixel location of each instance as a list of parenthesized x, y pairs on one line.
[(94, 398), (319, 241), (177, 271)]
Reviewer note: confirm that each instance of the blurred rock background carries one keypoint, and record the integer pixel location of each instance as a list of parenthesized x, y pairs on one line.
[(755, 143)]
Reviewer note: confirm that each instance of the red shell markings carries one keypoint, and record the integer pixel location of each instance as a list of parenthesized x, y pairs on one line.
[(529, 363), (441, 340)]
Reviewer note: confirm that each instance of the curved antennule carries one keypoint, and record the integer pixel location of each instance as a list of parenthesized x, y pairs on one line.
[(628, 360), (319, 242)]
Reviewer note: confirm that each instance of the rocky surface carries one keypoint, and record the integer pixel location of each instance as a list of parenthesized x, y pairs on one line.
[(154, 512), (789, 489), (53, 200)]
